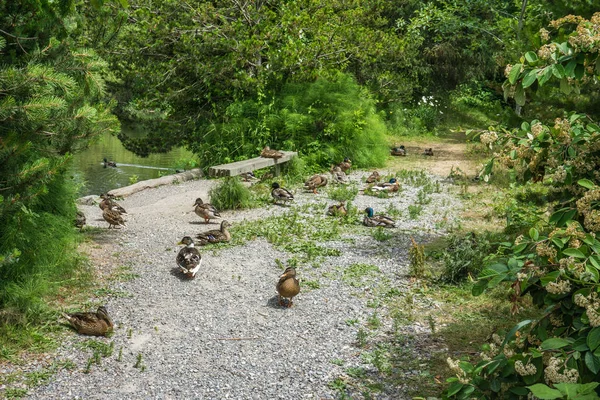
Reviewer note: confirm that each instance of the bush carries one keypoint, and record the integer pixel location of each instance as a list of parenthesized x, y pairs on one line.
[(230, 194), (465, 255)]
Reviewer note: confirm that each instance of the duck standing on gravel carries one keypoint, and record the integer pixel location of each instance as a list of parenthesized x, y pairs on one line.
[(314, 182), (206, 210), (189, 258), (91, 323), (344, 165), (108, 200), (339, 176), (377, 220), (113, 217), (214, 235), (278, 193), (288, 286)]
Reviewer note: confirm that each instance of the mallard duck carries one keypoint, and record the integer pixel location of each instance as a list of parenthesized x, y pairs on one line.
[(91, 323), (314, 182), (428, 152), (214, 235), (80, 220), (337, 209), (206, 210), (268, 153), (339, 176), (391, 186), (398, 151), (113, 217), (345, 165), (288, 286), (108, 200), (280, 193), (189, 258), (377, 220), (109, 163), (374, 177)]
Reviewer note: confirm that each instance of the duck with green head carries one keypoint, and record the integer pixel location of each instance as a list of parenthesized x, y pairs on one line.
[(377, 220)]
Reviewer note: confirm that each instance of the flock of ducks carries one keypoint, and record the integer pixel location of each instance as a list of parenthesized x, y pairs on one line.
[(189, 258), (401, 151)]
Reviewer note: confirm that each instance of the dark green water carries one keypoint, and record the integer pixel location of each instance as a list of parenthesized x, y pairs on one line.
[(89, 168)]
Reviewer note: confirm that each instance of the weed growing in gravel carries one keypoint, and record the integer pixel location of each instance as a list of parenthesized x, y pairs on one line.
[(351, 322), (381, 234), (416, 178), (15, 393), (343, 193), (311, 284), (356, 274), (374, 322), (414, 211), (423, 198), (139, 363), (416, 255), (123, 274)]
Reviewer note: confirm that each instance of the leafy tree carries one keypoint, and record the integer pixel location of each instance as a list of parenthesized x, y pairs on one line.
[(50, 106)]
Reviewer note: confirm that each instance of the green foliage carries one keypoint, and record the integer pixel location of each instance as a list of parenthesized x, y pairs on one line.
[(230, 194), (343, 192), (325, 121), (416, 255), (557, 265), (465, 255)]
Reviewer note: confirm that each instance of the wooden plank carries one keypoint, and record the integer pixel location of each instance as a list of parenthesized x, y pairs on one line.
[(240, 167)]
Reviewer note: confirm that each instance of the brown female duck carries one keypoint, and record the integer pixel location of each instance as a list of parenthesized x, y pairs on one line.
[(288, 286), (314, 182), (205, 210), (214, 235), (91, 323)]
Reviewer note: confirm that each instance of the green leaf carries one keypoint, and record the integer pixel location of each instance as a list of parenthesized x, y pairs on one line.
[(592, 362), (124, 3), (593, 338), (594, 272), (520, 95), (586, 183), (496, 280), (514, 73), (558, 70), (544, 392), (531, 57), (571, 252), (534, 234), (454, 388), (579, 71), (511, 334), (565, 86), (549, 277), (529, 78), (554, 343), (570, 69), (479, 287), (545, 75), (595, 262)]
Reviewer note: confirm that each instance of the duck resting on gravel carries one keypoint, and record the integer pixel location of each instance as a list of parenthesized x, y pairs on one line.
[(391, 186), (339, 176), (189, 258), (91, 323), (113, 217), (344, 165), (288, 286), (337, 209), (281, 194), (205, 210), (314, 182), (80, 220), (374, 177), (398, 151), (214, 235), (377, 220)]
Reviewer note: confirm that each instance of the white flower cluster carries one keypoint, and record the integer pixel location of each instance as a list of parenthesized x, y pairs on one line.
[(537, 128), (488, 138), (455, 367), (525, 369), (591, 303), (552, 372), (560, 287), (560, 174)]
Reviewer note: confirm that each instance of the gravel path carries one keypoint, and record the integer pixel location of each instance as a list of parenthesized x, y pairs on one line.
[(223, 335)]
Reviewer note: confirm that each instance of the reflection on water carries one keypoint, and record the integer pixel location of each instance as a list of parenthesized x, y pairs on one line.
[(89, 168)]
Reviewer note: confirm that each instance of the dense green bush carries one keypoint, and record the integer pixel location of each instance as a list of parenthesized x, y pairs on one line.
[(230, 194), (465, 255), (325, 121)]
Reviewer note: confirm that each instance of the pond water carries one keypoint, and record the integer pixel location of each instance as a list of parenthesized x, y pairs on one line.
[(88, 166)]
